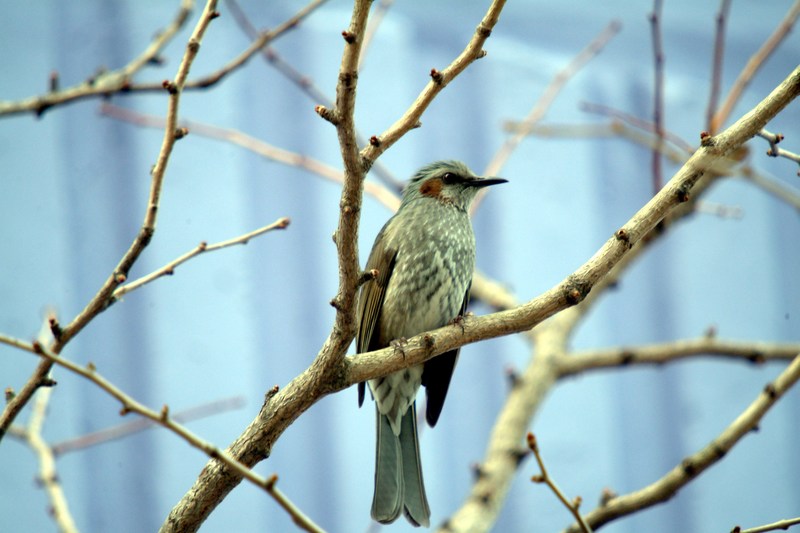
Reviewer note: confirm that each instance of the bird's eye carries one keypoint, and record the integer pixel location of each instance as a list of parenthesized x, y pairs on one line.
[(449, 178)]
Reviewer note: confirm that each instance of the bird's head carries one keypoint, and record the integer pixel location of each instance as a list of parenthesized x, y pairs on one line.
[(450, 182)]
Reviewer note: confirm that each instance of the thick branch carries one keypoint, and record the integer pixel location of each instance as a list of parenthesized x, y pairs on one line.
[(285, 406), (480, 509)]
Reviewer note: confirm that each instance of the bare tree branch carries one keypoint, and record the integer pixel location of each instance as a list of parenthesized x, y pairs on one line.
[(203, 247), (268, 151), (716, 64), (307, 86), (31, 434), (163, 418), (658, 354), (695, 464), (439, 80), (774, 150), (131, 427), (753, 65), (658, 92), (482, 505), (104, 83), (536, 114), (103, 298), (775, 526), (544, 477)]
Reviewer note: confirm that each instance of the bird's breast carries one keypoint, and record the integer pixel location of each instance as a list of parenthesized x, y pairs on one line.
[(434, 265)]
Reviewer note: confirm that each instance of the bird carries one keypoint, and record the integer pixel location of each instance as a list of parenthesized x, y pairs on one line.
[(422, 263)]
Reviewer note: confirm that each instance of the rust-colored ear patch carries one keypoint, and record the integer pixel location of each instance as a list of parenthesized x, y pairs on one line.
[(432, 188)]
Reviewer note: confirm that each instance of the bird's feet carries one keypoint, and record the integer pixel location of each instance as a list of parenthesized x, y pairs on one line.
[(400, 345), (459, 321)]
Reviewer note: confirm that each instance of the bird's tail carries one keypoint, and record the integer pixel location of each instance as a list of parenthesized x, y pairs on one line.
[(398, 473)]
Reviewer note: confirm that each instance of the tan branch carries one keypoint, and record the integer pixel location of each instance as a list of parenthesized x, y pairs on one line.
[(483, 504), (306, 84), (522, 129), (101, 300), (203, 247), (32, 435), (104, 83), (716, 65), (544, 477), (659, 354), (695, 464), (778, 189), (262, 40), (48, 475), (257, 146), (164, 419), (753, 65), (326, 375), (123, 430), (439, 80), (774, 150), (775, 526), (677, 153)]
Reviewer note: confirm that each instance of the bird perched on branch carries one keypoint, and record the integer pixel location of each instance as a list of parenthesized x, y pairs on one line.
[(424, 257)]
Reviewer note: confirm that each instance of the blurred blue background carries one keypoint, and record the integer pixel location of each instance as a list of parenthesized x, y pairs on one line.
[(236, 322)]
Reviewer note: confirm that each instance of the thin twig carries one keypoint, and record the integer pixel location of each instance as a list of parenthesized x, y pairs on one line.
[(522, 129), (545, 101), (659, 354), (641, 134), (298, 517), (771, 185), (32, 434), (637, 122), (775, 526), (169, 268), (439, 80), (379, 12), (307, 87), (774, 150), (381, 193), (753, 65), (104, 83), (271, 56), (614, 128), (572, 506), (701, 460), (131, 427), (658, 93), (262, 40), (163, 418), (102, 299), (716, 65)]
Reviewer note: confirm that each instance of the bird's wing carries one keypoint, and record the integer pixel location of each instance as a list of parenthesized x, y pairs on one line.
[(437, 374), (370, 302)]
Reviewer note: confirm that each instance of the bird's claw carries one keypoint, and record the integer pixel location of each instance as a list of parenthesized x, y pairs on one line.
[(459, 321), (400, 345)]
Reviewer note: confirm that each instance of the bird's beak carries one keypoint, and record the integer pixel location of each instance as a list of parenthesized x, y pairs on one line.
[(485, 182)]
